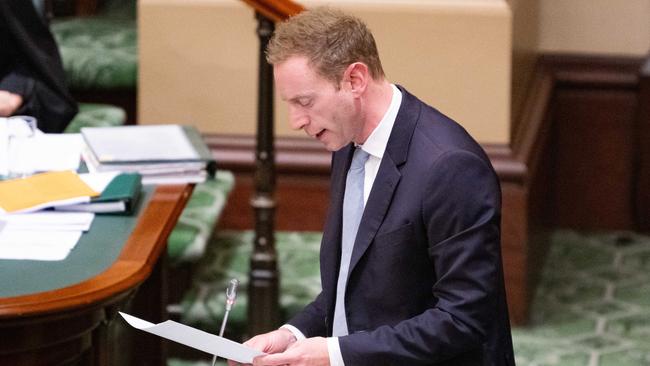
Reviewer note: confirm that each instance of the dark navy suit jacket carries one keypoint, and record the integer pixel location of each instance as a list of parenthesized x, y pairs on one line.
[(426, 279)]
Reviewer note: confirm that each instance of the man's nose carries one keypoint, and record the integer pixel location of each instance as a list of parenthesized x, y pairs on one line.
[(297, 120)]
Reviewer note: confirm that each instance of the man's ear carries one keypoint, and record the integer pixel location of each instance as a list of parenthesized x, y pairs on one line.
[(357, 75)]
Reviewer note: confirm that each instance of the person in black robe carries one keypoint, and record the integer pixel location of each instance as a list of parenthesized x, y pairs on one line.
[(32, 80)]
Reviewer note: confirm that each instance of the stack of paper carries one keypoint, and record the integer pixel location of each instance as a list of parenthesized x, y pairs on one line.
[(54, 151), (27, 234), (44, 152), (162, 154), (47, 236), (47, 221)]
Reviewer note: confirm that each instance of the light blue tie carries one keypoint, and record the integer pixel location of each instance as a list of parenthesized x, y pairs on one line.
[(352, 212)]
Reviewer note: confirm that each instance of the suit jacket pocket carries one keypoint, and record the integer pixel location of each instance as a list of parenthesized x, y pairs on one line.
[(394, 237)]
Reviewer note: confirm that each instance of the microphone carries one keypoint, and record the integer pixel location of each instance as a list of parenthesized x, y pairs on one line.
[(231, 296)]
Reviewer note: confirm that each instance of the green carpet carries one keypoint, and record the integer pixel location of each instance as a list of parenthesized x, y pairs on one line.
[(591, 307)]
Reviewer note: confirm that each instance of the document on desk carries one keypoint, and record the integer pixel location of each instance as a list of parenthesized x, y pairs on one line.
[(196, 338), (55, 151), (48, 221), (36, 245), (43, 190), (42, 236), (46, 152)]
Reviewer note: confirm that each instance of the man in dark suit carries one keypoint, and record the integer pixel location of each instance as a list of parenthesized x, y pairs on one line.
[(413, 276), (32, 81)]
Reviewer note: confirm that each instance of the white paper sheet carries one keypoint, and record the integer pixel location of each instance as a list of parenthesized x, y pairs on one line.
[(98, 181), (36, 245), (195, 338), (44, 152), (55, 151), (48, 221)]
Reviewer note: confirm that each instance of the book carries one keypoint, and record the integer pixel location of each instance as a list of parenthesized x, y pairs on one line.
[(43, 190), (119, 196), (148, 149), (167, 173)]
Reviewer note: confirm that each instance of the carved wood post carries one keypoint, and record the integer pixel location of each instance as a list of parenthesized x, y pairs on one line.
[(263, 285)]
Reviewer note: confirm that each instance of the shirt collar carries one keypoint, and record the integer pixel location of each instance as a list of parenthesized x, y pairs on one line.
[(375, 144)]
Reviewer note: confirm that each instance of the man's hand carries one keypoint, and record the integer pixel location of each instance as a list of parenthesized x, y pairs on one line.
[(9, 103), (271, 342), (307, 352)]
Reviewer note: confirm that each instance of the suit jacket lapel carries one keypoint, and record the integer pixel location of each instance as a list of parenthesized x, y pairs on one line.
[(388, 176)]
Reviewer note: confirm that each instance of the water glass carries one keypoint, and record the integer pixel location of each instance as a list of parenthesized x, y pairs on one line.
[(20, 131)]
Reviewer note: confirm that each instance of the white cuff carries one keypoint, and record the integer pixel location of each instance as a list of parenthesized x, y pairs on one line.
[(296, 332), (334, 351)]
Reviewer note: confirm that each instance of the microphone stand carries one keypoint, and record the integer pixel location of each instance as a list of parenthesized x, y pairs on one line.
[(231, 295)]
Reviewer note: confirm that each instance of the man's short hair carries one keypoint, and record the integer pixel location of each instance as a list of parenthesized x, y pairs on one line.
[(330, 39)]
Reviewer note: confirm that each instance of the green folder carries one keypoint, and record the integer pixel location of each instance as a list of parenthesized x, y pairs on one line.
[(119, 196)]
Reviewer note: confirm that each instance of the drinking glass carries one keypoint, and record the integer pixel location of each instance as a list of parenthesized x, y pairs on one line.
[(20, 130)]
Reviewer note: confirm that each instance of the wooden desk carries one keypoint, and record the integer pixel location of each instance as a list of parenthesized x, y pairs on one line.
[(67, 323)]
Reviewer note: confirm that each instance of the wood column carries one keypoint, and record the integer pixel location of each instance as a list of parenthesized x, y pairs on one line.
[(263, 313)]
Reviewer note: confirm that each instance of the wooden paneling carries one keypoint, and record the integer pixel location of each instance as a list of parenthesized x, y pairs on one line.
[(86, 7), (642, 189), (514, 250), (63, 8), (302, 182), (593, 158), (301, 203), (594, 148)]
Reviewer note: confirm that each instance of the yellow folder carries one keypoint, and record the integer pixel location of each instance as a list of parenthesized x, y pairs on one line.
[(43, 190)]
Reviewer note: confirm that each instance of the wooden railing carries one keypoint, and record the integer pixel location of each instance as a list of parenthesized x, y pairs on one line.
[(275, 10), (263, 308)]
